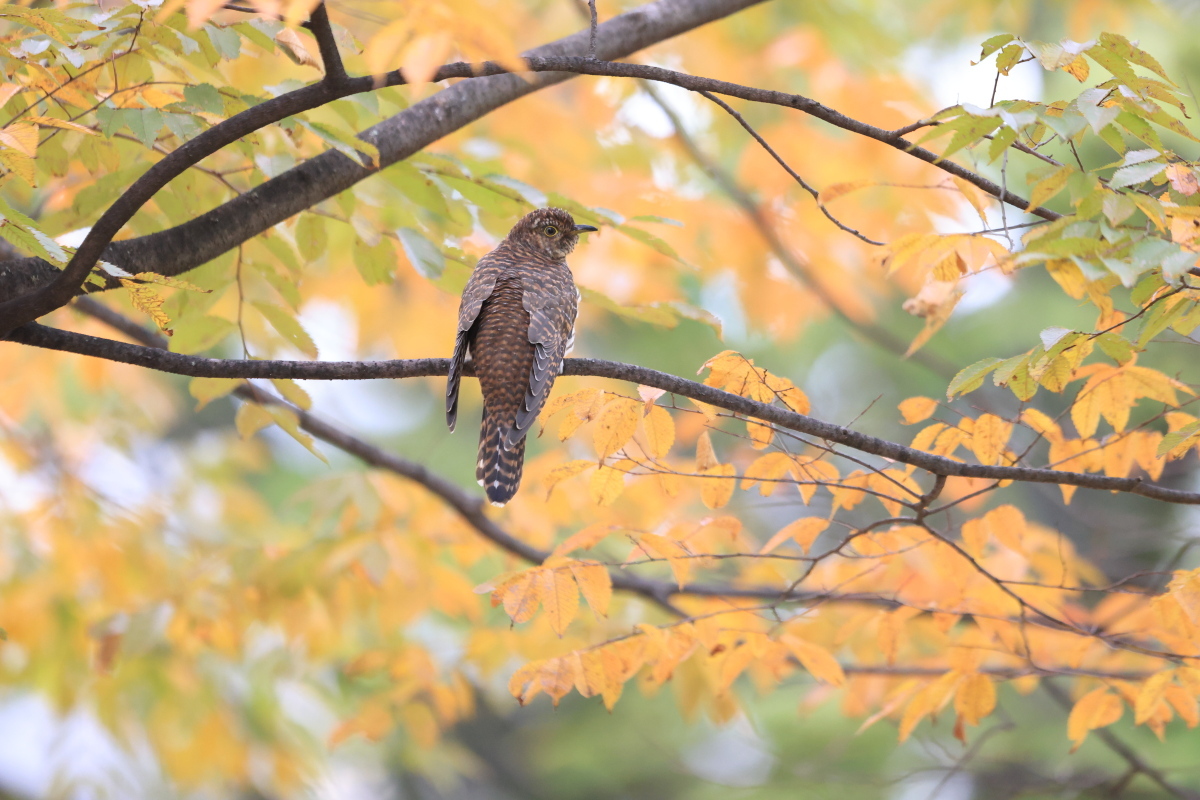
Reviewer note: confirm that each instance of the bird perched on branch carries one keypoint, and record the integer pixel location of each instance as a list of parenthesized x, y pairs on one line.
[(516, 323)]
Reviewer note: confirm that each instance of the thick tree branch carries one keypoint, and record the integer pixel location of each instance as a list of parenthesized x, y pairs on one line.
[(198, 241), (331, 59), (200, 367)]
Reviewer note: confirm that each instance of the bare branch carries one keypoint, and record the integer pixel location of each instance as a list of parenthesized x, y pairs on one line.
[(197, 366), (787, 168)]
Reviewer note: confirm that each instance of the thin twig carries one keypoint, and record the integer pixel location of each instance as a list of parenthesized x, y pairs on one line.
[(874, 334), (787, 168)]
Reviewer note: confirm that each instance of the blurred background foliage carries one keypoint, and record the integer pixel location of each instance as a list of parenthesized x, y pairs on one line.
[(193, 613)]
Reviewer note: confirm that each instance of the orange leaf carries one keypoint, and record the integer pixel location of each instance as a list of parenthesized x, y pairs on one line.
[(803, 532), (595, 583), (917, 409), (560, 597), (660, 431), (1149, 697), (522, 595), (819, 662), (674, 552), (976, 698), (607, 484), (615, 426), (1096, 709), (706, 457), (989, 438), (562, 472), (719, 483), (584, 539)]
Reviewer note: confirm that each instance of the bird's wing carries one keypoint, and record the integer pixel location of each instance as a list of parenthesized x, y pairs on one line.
[(552, 312), (478, 289)]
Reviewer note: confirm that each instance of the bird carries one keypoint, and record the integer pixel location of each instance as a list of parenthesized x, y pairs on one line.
[(516, 324)]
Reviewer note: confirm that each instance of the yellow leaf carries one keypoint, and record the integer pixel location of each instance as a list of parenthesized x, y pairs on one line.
[(706, 457), (560, 597), (819, 662), (660, 431), (22, 137), (767, 469), (1007, 524), (976, 698), (989, 438), (522, 595), (1049, 186), (1184, 703), (595, 583), (424, 55), (584, 397), (836, 190), (719, 483), (294, 48), (1149, 697), (803, 532), (1096, 709), (760, 434), (67, 125), (607, 484), (584, 539), (615, 426), (251, 418), (917, 409), (677, 556), (974, 536), (562, 472)]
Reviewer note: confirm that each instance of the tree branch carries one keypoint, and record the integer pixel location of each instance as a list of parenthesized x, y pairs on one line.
[(198, 241), (200, 367), (331, 59)]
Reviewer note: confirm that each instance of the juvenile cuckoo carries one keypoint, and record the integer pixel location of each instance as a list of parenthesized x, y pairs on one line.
[(516, 323)]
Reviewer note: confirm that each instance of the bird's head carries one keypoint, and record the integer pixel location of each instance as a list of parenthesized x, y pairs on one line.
[(548, 230)]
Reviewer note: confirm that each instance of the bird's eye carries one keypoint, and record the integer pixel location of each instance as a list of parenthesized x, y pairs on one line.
[(550, 230)]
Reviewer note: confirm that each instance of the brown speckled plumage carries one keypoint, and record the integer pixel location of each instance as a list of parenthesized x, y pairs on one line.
[(516, 322)]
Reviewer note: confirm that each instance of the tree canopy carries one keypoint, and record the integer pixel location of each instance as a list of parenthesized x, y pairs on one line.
[(880, 432)]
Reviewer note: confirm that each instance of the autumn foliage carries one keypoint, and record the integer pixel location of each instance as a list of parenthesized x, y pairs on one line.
[(172, 563)]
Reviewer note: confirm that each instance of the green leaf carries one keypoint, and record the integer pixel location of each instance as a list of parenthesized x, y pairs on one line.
[(1009, 57), (1134, 174), (289, 327), (196, 334), (205, 97), (1115, 346), (225, 40), (423, 255), (994, 43), (345, 142), (970, 378), (145, 124), (1159, 319), (311, 236), (1049, 186), (1189, 433), (375, 264), (24, 233)]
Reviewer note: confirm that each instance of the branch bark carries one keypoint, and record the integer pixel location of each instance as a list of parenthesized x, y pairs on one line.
[(200, 367)]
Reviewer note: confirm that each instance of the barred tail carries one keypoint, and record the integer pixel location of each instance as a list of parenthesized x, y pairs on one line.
[(498, 470)]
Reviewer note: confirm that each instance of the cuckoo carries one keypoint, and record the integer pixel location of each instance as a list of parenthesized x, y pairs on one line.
[(516, 323)]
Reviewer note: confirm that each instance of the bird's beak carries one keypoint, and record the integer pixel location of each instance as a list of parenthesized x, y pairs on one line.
[(582, 228)]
